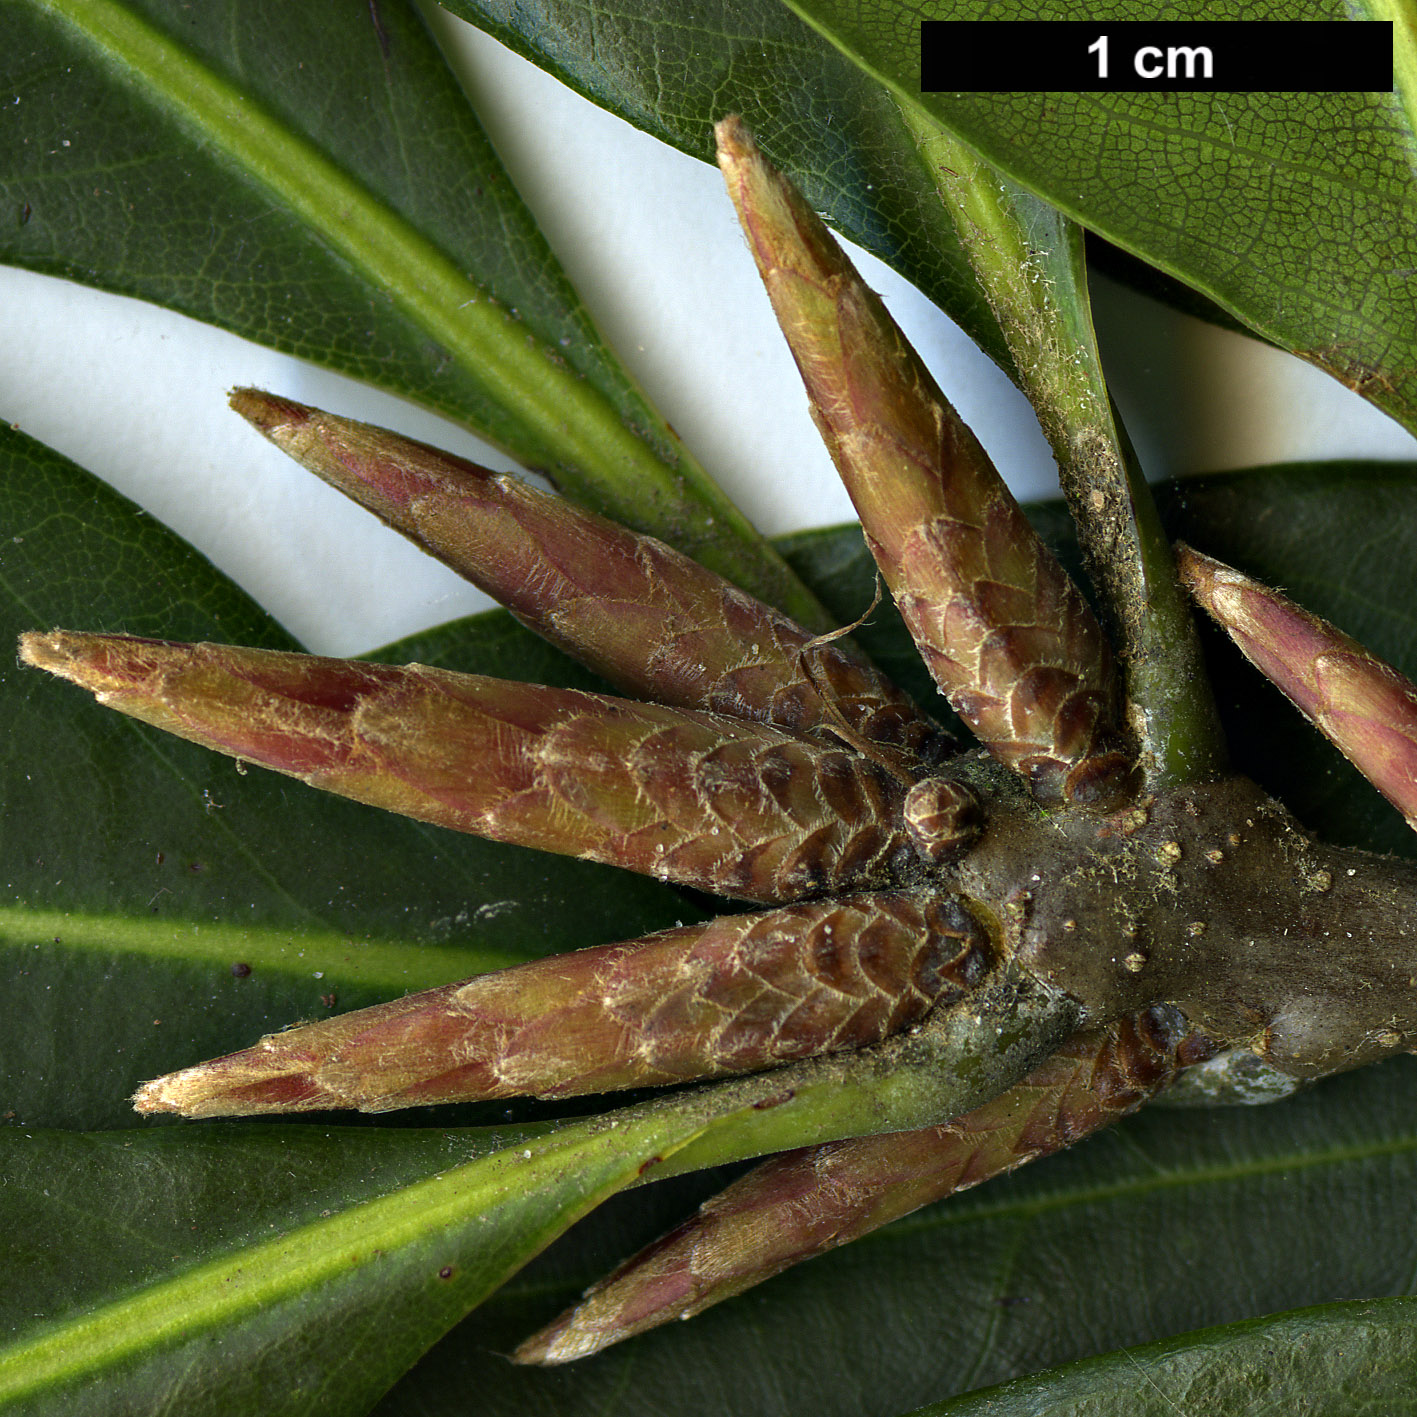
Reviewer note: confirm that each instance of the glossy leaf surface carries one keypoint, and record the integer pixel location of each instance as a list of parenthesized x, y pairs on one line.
[(179, 195), (1335, 1360), (1292, 211), (284, 1271), (159, 907), (840, 136), (200, 1300), (1258, 1186), (1172, 1222), (1191, 1221), (314, 179), (1193, 1218)]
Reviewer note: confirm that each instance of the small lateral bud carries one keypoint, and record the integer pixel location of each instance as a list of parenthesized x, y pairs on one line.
[(943, 817)]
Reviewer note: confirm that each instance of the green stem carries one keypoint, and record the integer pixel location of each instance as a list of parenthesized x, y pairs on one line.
[(958, 1060)]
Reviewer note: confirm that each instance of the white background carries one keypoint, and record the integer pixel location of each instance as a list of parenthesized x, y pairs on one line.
[(138, 395)]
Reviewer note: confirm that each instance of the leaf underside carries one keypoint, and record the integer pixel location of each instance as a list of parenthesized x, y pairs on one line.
[(1334, 1360)]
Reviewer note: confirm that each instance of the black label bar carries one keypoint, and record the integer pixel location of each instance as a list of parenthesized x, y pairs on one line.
[(1139, 56)]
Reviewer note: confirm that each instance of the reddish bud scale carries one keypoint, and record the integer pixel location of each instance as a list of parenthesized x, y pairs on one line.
[(735, 995), (742, 809), (1004, 631), (1362, 705), (806, 1202), (944, 818), (647, 618)]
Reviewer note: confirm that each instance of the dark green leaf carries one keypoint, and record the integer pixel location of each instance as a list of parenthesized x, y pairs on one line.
[(279, 1271), (187, 1198), (674, 72), (312, 178), (1257, 1188), (1293, 211), (138, 870), (1173, 1221), (251, 1261), (1337, 1360)]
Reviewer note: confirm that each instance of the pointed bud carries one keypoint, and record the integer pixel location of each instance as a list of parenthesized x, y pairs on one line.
[(806, 1202), (1005, 632), (739, 808), (647, 618), (735, 995), (1362, 705)]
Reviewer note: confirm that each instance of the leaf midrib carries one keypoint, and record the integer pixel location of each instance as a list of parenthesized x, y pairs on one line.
[(223, 1290), (571, 416), (947, 1214), (1140, 1187), (386, 964)]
